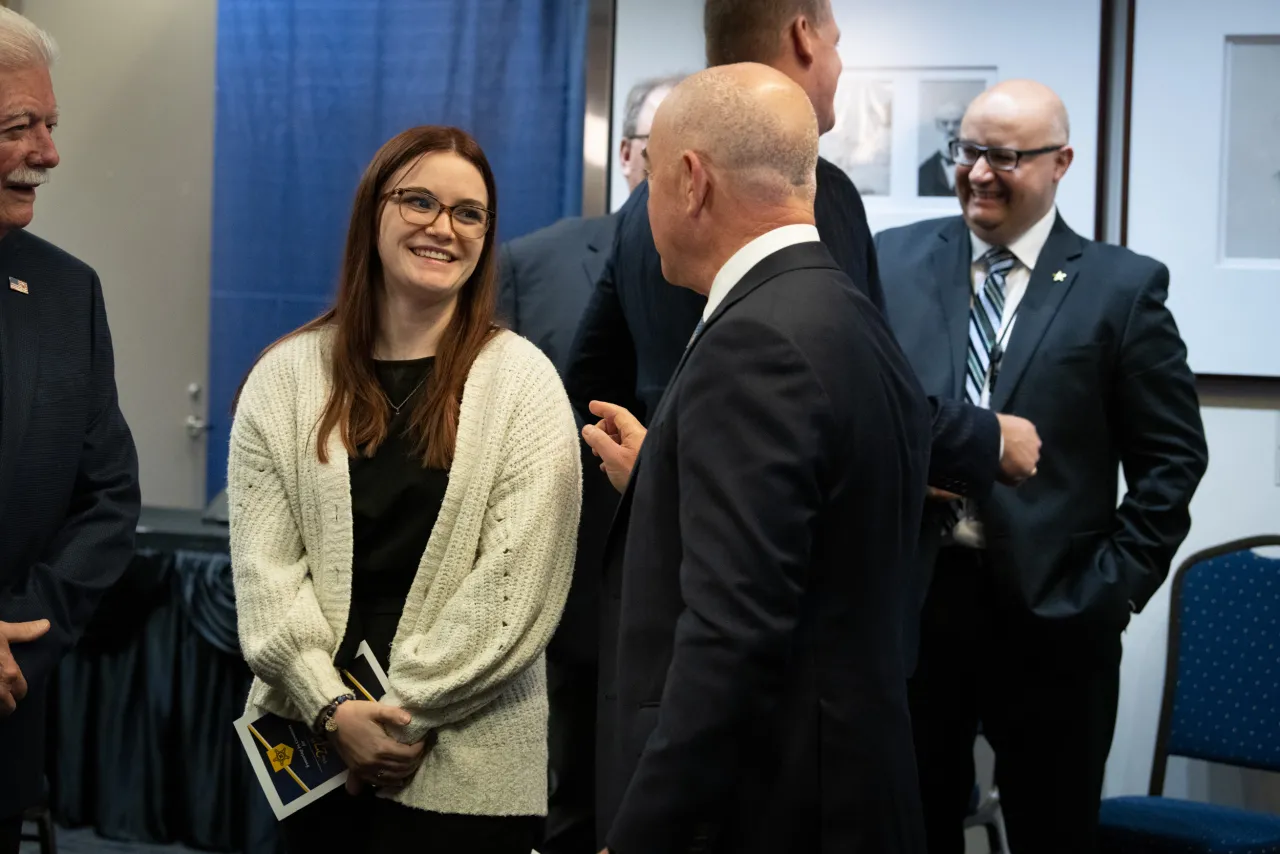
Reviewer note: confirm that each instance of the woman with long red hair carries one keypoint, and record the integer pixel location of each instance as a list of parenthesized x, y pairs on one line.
[(404, 472)]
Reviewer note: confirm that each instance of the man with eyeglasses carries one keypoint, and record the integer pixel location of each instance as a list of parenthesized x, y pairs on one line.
[(1006, 307)]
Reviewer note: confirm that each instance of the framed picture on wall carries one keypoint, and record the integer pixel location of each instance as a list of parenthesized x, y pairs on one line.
[(910, 69), (1204, 174), (892, 130)]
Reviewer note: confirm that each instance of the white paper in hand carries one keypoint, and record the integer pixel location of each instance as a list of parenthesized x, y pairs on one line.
[(294, 766)]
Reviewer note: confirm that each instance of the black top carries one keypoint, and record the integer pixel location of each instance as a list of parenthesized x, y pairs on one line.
[(394, 504)]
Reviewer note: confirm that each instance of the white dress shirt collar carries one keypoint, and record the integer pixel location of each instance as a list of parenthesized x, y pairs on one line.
[(752, 254), (1028, 246)]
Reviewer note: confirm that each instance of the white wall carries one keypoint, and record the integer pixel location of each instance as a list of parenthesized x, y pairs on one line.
[(132, 198)]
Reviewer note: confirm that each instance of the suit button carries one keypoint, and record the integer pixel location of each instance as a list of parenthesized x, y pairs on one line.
[(610, 696)]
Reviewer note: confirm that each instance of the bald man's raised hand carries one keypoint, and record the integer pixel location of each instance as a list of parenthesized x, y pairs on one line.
[(616, 439), (13, 686)]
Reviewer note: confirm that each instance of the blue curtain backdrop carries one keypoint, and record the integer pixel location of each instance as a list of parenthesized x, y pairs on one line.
[(307, 92)]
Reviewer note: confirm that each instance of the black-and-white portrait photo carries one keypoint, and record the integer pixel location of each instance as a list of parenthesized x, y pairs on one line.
[(1251, 200), (861, 143), (942, 106)]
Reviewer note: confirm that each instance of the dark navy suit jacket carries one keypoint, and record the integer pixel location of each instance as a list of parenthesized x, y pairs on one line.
[(1096, 362), (758, 577), (69, 498)]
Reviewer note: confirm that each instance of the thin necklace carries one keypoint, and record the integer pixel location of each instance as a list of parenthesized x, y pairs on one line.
[(395, 408)]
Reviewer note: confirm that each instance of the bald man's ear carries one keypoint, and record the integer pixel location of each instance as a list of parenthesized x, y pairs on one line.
[(799, 39), (1062, 162), (695, 183)]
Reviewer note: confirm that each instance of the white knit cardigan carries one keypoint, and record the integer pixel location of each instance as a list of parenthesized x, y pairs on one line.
[(467, 659)]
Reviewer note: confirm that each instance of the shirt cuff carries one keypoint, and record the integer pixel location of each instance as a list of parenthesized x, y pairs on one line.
[(1000, 458)]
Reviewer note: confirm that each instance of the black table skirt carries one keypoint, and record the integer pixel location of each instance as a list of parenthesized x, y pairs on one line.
[(142, 746)]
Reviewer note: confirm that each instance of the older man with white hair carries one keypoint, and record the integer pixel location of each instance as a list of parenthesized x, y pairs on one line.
[(69, 495), (759, 573)]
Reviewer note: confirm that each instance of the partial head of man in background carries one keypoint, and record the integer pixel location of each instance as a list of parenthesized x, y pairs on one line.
[(732, 156), (637, 120), (28, 114), (797, 37), (1012, 152)]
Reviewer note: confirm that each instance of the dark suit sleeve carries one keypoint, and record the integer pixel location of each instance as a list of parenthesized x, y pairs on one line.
[(749, 493), (508, 301), (1162, 448), (602, 361), (95, 542), (965, 455)]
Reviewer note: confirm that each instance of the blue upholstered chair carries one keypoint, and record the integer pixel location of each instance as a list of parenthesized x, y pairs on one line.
[(1221, 704)]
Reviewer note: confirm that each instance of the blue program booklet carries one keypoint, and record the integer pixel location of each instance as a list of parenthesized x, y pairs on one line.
[(294, 766)]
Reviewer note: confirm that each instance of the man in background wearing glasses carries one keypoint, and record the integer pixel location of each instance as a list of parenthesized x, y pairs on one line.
[(1006, 307)]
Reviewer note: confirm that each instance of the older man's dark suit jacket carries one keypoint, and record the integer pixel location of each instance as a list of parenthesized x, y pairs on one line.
[(1096, 362), (635, 328), (757, 579), (69, 498)]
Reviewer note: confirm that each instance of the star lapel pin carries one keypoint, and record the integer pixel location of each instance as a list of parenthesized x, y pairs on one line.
[(1059, 276), (17, 285)]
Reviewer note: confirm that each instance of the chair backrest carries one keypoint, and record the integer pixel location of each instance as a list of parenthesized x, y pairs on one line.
[(1222, 679)]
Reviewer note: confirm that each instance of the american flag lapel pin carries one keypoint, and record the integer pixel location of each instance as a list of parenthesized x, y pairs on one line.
[(17, 285)]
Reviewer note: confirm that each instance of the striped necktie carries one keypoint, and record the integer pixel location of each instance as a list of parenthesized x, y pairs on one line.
[(984, 321), (985, 313)]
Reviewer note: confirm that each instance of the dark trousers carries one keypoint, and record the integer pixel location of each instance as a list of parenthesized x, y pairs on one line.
[(10, 834), (1045, 694), (570, 825), (370, 825)]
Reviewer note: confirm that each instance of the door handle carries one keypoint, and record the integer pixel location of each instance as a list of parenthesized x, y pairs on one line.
[(196, 427)]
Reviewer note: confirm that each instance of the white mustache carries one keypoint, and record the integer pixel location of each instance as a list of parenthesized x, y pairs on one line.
[(27, 176)]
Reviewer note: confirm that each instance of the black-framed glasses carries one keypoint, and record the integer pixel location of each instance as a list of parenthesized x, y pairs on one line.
[(419, 208), (1005, 159)]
